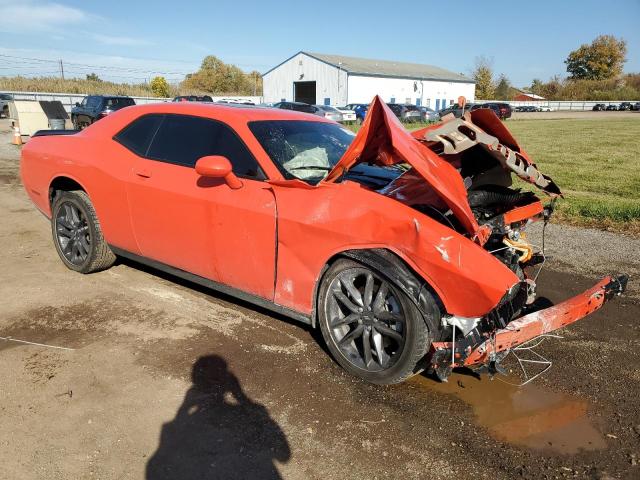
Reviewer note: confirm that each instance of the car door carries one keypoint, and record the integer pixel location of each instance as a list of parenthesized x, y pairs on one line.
[(199, 224)]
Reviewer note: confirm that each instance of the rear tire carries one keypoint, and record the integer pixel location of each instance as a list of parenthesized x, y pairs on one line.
[(370, 325), (77, 235)]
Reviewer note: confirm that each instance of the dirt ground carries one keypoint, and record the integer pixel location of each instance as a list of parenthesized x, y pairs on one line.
[(164, 379)]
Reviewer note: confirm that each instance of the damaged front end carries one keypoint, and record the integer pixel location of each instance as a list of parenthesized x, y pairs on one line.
[(486, 341), (460, 174)]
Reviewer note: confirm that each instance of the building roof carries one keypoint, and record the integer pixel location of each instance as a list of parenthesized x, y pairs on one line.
[(385, 68), (530, 96)]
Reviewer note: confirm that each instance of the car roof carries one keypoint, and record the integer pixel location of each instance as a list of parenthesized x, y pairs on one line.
[(231, 110)]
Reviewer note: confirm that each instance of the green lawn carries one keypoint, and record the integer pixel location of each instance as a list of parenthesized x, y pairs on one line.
[(596, 164)]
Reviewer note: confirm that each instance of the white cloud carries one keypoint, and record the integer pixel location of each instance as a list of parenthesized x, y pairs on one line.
[(30, 16), (120, 40)]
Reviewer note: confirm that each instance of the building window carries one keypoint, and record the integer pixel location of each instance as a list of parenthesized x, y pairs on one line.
[(450, 102), (327, 101), (393, 100), (428, 102), (407, 100), (418, 102)]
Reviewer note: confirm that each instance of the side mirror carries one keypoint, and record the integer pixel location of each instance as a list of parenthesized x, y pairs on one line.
[(217, 166), (77, 104)]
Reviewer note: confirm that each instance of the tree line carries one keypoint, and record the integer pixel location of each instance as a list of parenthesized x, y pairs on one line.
[(595, 73)]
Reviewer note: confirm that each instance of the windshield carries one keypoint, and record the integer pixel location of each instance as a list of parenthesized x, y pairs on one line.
[(302, 149)]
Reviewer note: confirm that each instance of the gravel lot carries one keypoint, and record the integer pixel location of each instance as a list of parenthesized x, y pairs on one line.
[(168, 380)]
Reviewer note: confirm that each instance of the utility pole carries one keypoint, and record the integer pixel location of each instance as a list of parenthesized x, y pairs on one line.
[(61, 70)]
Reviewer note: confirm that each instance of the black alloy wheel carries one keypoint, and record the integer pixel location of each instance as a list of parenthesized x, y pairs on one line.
[(72, 233), (371, 326), (77, 235), (366, 319)]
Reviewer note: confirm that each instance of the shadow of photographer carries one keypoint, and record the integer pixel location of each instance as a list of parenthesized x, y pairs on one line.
[(218, 432)]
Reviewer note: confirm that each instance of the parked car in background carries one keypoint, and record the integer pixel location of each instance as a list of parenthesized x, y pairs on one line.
[(502, 110), (527, 108), (625, 106), (94, 107), (612, 107), (332, 113), (348, 115), (406, 112), (545, 108), (297, 106), (599, 107), (429, 114), (636, 106), (5, 98), (360, 109), (457, 110), (193, 98), (236, 101)]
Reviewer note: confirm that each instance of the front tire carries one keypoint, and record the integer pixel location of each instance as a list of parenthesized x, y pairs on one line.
[(77, 235), (370, 325)]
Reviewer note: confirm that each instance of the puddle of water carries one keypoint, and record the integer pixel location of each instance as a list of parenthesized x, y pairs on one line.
[(528, 416)]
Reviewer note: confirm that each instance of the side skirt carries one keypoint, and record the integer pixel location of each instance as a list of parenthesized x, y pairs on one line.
[(219, 287)]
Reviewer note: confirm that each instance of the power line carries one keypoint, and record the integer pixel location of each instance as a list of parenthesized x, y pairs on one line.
[(30, 60)]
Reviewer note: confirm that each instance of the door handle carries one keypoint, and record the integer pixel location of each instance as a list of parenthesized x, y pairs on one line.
[(143, 172)]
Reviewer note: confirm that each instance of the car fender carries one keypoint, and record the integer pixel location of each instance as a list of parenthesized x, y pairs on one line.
[(390, 265)]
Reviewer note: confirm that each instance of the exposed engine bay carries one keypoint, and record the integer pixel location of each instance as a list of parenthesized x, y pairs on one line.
[(484, 153)]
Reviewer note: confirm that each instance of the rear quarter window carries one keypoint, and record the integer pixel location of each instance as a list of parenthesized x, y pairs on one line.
[(138, 134)]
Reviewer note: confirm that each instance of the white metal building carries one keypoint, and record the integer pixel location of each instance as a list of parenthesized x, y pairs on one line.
[(338, 80)]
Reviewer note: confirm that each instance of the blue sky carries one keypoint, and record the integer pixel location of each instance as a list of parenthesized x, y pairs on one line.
[(134, 40)]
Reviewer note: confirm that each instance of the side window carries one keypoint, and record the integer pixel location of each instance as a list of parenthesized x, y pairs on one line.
[(183, 140), (93, 102), (138, 134), (230, 146)]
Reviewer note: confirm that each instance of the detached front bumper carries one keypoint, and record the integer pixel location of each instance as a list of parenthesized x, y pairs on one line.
[(481, 349)]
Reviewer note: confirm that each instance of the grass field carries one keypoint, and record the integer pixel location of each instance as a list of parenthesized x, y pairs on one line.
[(595, 162)]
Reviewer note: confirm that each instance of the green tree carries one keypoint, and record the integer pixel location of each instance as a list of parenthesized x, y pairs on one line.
[(215, 76), (600, 60), (160, 87), (92, 77), (483, 76), (537, 86), (503, 89)]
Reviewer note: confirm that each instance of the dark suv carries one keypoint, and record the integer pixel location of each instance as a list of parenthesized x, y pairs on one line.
[(5, 98), (502, 110), (95, 107)]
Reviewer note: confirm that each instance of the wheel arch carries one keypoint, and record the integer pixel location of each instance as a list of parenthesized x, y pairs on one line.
[(392, 266), (63, 183)]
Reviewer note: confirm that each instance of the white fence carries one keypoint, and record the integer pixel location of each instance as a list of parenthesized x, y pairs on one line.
[(69, 99), (575, 105)]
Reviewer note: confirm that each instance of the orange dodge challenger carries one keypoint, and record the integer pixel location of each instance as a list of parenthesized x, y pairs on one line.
[(406, 249)]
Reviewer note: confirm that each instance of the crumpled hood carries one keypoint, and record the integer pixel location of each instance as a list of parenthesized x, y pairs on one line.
[(383, 141)]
